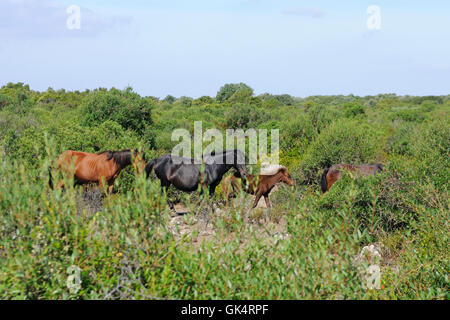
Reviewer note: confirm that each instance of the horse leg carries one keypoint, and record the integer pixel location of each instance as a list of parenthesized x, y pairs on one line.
[(199, 202), (266, 198), (255, 203), (235, 188), (171, 205), (164, 189), (212, 191)]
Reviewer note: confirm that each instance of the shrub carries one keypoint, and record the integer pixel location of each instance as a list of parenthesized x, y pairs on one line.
[(411, 115), (45, 236), (377, 202), (16, 98), (342, 142), (401, 140), (170, 99), (185, 102), (242, 116), (203, 100), (431, 148), (321, 115), (352, 110), (5, 101), (125, 107), (67, 136), (297, 133), (240, 91)]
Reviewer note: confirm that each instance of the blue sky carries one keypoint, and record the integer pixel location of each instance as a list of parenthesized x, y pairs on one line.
[(192, 48)]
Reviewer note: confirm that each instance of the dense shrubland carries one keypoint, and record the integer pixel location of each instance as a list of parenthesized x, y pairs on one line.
[(126, 248)]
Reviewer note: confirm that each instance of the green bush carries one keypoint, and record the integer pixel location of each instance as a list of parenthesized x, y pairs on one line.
[(431, 148), (126, 108), (401, 139), (381, 204), (16, 98), (411, 115), (238, 91), (5, 101), (108, 136), (45, 235), (352, 110), (342, 142), (242, 116)]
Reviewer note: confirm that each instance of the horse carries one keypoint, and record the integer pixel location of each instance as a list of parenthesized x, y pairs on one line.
[(260, 185), (185, 174), (334, 173), (98, 168)]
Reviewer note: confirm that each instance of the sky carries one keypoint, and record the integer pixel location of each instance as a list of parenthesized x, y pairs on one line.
[(192, 48)]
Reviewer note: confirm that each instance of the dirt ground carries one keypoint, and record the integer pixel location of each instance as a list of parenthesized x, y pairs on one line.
[(199, 227), (196, 227)]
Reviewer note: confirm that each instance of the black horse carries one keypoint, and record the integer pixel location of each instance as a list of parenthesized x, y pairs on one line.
[(186, 175)]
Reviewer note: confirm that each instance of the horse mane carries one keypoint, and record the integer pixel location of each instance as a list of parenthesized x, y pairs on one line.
[(323, 180), (271, 170), (121, 158)]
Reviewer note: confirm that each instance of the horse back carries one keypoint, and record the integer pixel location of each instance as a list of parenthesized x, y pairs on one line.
[(69, 157), (335, 172), (88, 167), (371, 169)]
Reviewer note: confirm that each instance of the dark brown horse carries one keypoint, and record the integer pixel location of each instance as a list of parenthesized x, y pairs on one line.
[(259, 186), (102, 168), (333, 174)]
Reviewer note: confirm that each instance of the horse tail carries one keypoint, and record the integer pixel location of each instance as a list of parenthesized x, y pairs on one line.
[(323, 180), (149, 167), (50, 178)]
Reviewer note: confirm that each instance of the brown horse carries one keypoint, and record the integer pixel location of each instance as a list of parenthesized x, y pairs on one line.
[(103, 167), (259, 186), (333, 174)]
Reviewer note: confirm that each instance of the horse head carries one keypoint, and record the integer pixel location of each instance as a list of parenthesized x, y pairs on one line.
[(139, 160), (125, 158), (286, 177), (239, 164)]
